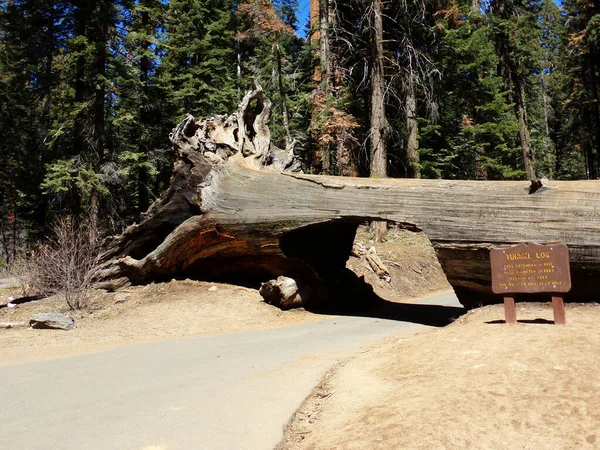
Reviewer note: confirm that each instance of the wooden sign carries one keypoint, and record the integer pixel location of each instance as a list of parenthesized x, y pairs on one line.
[(531, 268)]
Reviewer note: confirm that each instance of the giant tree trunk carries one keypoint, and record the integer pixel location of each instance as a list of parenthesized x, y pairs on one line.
[(412, 130), (378, 120), (234, 212), (379, 128)]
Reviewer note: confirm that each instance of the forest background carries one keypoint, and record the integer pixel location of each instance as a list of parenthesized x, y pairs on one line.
[(457, 89)]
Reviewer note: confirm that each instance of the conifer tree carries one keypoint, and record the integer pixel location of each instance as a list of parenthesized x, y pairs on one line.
[(199, 67), (583, 26), (515, 35), (265, 27)]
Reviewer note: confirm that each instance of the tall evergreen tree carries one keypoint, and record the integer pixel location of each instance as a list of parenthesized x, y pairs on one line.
[(199, 67), (583, 26), (515, 36), (32, 35)]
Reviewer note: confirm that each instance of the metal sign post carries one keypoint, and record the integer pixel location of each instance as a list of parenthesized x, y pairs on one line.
[(531, 269)]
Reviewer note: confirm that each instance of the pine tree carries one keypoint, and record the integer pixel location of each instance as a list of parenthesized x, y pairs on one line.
[(515, 35), (142, 116), (265, 27), (333, 123), (583, 26), (199, 67), (32, 34)]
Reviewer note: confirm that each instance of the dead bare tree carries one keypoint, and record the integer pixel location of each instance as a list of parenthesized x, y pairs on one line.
[(61, 265)]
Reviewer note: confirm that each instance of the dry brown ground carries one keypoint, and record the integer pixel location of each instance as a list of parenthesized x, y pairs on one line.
[(188, 308), (411, 261), (142, 314), (476, 384)]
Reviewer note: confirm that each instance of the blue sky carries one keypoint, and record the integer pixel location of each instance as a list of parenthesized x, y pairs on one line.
[(303, 15)]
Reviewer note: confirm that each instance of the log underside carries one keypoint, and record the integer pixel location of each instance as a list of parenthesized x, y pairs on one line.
[(239, 218)]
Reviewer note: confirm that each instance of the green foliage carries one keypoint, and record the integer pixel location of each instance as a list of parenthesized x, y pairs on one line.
[(90, 90), (199, 65)]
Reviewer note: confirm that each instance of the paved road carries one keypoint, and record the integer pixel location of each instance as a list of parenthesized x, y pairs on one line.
[(228, 391)]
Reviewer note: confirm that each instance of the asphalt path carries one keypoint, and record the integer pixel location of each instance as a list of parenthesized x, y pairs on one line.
[(228, 391)]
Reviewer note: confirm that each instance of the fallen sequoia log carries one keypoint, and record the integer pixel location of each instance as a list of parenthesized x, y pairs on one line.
[(238, 210)]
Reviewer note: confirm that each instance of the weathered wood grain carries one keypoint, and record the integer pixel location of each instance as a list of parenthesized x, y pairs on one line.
[(248, 213)]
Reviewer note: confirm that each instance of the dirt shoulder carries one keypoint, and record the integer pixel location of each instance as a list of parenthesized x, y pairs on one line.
[(191, 308), (142, 314), (474, 384)]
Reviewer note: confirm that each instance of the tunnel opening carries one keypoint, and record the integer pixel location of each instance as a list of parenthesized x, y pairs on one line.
[(328, 249), (325, 247)]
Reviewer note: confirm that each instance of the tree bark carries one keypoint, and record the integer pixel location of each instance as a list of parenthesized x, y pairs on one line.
[(324, 45), (412, 128), (81, 17), (378, 120), (237, 214), (284, 109), (379, 127), (528, 164), (323, 157), (101, 36), (142, 185)]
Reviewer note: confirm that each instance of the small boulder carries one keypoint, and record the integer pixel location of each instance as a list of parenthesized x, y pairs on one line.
[(51, 321), (122, 298), (284, 293)]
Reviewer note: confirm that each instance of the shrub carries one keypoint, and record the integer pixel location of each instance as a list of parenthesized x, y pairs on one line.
[(61, 265)]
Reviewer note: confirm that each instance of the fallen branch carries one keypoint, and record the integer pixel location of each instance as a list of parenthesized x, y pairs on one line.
[(378, 266)]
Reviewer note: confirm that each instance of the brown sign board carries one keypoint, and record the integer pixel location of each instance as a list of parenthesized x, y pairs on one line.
[(530, 268)]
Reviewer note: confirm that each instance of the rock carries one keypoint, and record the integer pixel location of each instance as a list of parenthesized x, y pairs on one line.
[(52, 321), (212, 289), (284, 293), (122, 298)]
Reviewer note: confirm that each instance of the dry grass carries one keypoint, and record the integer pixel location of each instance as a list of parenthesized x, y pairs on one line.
[(476, 384)]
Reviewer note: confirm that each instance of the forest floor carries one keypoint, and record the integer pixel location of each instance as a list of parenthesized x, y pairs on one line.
[(192, 308)]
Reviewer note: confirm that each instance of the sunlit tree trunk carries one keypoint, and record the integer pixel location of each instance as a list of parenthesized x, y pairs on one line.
[(412, 128), (379, 126)]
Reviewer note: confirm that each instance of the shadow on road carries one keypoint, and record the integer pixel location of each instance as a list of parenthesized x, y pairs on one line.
[(352, 296), (432, 315)]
